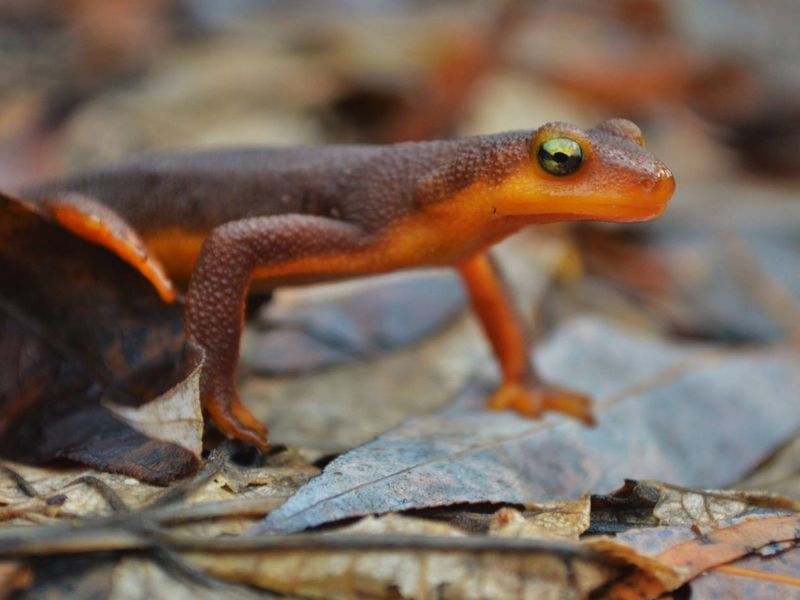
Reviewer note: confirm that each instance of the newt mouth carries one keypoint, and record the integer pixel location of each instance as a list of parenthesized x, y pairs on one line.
[(612, 212), (643, 200), (621, 213)]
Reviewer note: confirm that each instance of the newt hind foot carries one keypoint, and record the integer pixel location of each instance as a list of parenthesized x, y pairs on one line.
[(536, 399), (235, 420)]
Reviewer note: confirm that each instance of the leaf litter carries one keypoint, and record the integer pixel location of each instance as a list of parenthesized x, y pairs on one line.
[(87, 343), (466, 455)]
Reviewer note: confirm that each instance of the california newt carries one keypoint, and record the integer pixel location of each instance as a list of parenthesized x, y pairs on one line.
[(226, 222)]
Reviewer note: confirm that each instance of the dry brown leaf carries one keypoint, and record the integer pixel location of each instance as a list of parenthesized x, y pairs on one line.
[(567, 519), (466, 454), (412, 574), (752, 577), (275, 482), (31, 495), (680, 506), (173, 417), (65, 493), (653, 503), (136, 578), (709, 548), (81, 330)]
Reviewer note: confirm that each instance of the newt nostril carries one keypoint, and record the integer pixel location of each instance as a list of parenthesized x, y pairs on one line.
[(661, 181)]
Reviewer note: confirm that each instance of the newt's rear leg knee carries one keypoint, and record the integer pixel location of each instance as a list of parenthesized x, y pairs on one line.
[(534, 399)]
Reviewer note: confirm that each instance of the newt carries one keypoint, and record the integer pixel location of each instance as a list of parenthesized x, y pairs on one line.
[(220, 224)]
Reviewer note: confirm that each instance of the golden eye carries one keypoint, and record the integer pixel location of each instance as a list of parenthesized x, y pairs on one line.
[(560, 156)]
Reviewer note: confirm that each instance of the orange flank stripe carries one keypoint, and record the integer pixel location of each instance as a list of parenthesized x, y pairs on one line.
[(177, 250)]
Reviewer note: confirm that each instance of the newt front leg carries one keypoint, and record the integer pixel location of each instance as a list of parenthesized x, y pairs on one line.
[(521, 390), (215, 303)]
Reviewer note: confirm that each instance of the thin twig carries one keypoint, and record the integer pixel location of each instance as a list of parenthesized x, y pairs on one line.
[(58, 539), (204, 511), (113, 499), (172, 561), (24, 486), (318, 542), (29, 541), (215, 463)]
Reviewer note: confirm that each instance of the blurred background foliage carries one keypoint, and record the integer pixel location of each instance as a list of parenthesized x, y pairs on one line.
[(714, 83)]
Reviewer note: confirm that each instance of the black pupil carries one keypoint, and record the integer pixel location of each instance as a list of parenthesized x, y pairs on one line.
[(560, 156)]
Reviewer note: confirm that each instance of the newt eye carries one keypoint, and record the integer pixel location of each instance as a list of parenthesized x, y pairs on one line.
[(560, 156)]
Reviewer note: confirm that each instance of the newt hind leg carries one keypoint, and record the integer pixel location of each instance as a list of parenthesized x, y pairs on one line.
[(100, 225), (522, 390), (283, 246)]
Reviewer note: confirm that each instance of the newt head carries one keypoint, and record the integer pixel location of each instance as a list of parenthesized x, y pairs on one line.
[(603, 174)]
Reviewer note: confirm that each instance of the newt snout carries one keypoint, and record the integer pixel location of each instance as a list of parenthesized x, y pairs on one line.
[(658, 189), (639, 184), (604, 173)]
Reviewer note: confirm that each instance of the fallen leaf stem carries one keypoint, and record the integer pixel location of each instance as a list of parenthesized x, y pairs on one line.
[(107, 535), (108, 494)]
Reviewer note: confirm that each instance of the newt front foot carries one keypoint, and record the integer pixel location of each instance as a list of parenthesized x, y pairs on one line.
[(534, 399), (235, 420)]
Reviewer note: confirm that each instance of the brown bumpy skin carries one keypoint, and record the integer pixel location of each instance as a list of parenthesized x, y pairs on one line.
[(215, 302), (268, 217)]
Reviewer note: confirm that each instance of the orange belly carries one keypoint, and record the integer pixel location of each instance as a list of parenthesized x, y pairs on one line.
[(177, 251)]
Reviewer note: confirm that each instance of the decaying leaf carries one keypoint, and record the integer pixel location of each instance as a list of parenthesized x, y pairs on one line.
[(566, 519), (39, 495), (135, 578), (691, 551), (174, 417), (653, 504), (248, 492), (522, 553), (678, 506), (756, 576), (414, 574), (654, 401), (85, 342), (674, 516)]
